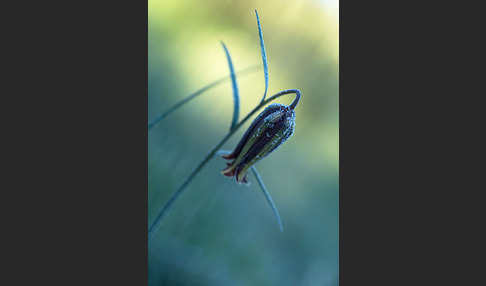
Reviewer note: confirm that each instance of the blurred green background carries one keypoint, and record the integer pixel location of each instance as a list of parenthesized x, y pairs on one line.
[(221, 233)]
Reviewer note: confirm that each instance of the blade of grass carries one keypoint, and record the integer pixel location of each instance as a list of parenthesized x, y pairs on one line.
[(241, 73), (264, 55), (267, 195), (236, 98)]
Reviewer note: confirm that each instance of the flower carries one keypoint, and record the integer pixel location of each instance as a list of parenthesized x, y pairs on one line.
[(266, 133)]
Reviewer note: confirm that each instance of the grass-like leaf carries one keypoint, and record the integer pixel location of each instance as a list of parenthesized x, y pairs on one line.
[(241, 73), (267, 195), (236, 98), (264, 55)]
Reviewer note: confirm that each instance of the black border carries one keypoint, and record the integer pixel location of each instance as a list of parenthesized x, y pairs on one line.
[(405, 105), (78, 82), (78, 92)]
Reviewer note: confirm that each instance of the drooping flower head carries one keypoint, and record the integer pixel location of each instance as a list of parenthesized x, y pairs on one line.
[(266, 133)]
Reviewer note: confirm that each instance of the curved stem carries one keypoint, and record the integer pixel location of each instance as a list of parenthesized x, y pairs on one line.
[(177, 194), (296, 100)]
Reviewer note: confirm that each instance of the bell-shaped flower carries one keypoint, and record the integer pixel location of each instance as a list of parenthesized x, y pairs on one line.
[(266, 133)]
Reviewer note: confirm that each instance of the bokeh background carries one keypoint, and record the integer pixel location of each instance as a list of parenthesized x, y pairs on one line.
[(221, 233)]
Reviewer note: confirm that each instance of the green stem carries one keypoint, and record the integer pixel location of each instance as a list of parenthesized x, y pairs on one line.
[(177, 194)]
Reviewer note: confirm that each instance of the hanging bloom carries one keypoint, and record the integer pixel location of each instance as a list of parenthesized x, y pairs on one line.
[(266, 133)]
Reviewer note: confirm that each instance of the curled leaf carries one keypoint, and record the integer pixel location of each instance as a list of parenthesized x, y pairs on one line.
[(236, 99)]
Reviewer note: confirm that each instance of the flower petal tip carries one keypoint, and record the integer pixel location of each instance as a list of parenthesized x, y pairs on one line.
[(242, 181), (229, 156)]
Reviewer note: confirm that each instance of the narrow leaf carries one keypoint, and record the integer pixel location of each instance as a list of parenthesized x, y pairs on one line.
[(267, 195), (241, 73), (264, 55), (236, 98)]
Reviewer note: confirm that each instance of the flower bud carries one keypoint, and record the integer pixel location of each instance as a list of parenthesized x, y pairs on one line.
[(266, 133)]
